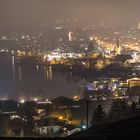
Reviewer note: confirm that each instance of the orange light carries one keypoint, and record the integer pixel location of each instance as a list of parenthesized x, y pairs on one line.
[(60, 117)]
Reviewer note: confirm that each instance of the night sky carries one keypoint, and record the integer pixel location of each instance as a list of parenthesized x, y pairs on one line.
[(30, 14)]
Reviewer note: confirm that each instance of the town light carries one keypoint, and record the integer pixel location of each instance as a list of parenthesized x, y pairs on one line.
[(22, 101), (116, 95), (76, 98), (84, 127), (35, 99), (60, 117)]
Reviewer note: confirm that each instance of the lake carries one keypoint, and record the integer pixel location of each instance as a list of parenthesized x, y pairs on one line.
[(30, 81)]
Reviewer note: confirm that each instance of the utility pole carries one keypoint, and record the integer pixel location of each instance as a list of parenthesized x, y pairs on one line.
[(87, 101)]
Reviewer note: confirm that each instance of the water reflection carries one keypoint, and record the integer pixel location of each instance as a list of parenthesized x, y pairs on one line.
[(13, 68), (37, 68), (48, 73), (19, 73), (27, 79), (27, 72)]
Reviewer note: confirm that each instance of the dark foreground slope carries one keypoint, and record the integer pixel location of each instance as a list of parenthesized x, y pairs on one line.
[(121, 130), (124, 129)]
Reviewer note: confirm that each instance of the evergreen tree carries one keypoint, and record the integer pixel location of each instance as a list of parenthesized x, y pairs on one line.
[(98, 115), (134, 109), (118, 109), (139, 101), (123, 105), (28, 109), (115, 110), (134, 106)]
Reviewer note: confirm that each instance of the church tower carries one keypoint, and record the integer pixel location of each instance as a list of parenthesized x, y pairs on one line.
[(118, 48)]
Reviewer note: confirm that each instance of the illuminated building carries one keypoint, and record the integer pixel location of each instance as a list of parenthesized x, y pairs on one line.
[(49, 124), (134, 82), (70, 36), (76, 98), (118, 48), (138, 26)]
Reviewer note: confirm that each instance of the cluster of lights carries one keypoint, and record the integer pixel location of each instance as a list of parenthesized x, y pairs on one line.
[(76, 98), (15, 117), (100, 86), (23, 53), (61, 55)]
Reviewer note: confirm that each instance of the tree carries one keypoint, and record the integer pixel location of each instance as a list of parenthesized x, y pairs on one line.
[(139, 101), (28, 110), (48, 131), (2, 132), (133, 109), (21, 133), (5, 129), (134, 106), (98, 115), (51, 132), (118, 109), (123, 105), (115, 110), (68, 114), (9, 133)]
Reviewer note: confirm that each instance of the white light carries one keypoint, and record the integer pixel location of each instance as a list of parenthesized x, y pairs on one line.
[(84, 127), (23, 37), (22, 101), (35, 99), (91, 38), (70, 36), (54, 56)]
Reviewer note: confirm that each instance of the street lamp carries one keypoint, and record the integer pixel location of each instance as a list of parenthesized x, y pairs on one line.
[(84, 127), (87, 102), (61, 118), (22, 101), (35, 99)]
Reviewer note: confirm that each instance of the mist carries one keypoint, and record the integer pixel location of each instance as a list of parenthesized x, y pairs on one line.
[(30, 14)]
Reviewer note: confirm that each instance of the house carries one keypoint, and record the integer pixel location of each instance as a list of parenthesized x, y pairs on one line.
[(122, 58), (133, 65), (133, 82), (48, 126), (134, 86), (70, 129)]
